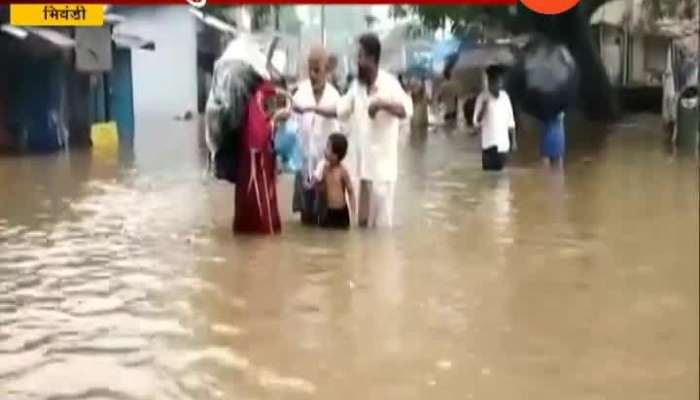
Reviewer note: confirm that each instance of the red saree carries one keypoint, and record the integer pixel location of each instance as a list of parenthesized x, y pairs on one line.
[(256, 190)]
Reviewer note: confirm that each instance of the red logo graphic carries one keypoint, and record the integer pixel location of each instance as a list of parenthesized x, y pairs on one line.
[(549, 6)]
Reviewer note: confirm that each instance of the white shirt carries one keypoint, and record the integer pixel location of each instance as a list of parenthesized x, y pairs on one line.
[(496, 122), (377, 139), (315, 129)]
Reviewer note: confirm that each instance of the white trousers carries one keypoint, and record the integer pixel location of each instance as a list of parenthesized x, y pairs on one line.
[(377, 201)]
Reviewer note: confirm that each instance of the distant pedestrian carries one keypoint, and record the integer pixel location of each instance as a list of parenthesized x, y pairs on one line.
[(448, 95), (419, 120), (553, 142), (668, 110), (494, 119)]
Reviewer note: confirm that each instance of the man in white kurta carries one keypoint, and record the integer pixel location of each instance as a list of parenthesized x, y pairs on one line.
[(314, 130), (374, 106)]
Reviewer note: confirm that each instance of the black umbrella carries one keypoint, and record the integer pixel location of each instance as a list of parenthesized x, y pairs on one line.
[(545, 79), (469, 68)]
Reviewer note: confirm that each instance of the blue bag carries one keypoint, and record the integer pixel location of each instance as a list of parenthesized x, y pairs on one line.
[(287, 146)]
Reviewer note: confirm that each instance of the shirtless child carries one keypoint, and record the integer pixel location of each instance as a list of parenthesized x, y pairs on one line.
[(334, 183)]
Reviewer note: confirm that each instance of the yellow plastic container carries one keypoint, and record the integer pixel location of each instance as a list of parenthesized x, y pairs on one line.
[(105, 136), (105, 140)]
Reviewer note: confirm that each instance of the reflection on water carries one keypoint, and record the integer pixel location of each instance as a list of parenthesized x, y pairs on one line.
[(120, 279)]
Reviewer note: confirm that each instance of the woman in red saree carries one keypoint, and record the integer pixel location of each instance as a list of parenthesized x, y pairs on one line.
[(256, 209)]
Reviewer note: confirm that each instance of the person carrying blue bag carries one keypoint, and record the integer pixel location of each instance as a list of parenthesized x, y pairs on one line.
[(553, 141)]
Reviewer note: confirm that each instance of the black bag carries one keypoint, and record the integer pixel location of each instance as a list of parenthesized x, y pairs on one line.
[(233, 84), (225, 165)]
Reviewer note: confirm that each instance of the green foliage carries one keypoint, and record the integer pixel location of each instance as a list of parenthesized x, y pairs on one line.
[(570, 29), (463, 19), (517, 19)]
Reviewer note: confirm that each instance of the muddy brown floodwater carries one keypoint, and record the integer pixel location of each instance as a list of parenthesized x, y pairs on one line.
[(121, 279)]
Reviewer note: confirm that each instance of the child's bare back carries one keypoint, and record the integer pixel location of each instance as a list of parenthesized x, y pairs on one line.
[(336, 181), (333, 180)]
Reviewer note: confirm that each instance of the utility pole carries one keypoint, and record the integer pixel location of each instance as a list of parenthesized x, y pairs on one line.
[(323, 25), (276, 10)]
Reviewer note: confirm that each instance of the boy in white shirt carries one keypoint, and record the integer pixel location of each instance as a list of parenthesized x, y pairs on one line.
[(494, 119)]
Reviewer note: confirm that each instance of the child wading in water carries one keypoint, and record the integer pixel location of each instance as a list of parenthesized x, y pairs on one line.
[(333, 181)]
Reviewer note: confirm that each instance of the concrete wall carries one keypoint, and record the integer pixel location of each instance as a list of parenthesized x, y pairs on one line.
[(611, 53), (637, 69), (648, 60), (165, 80), (655, 56)]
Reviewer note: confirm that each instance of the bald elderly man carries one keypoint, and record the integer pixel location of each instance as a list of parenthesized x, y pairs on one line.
[(313, 132)]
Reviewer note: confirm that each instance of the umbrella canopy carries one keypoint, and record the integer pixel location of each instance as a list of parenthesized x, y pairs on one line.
[(442, 52), (545, 79), (418, 71), (406, 55), (245, 49), (444, 48), (482, 56), (471, 63)]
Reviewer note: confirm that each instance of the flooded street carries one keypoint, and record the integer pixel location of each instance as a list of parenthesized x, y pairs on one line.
[(122, 280)]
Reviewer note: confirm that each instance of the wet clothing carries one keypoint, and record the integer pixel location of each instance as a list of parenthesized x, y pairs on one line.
[(306, 201), (335, 218), (376, 204), (468, 110), (449, 95), (334, 191), (492, 159), (381, 204), (552, 144), (256, 192), (313, 128), (376, 143), (668, 106), (376, 138), (420, 109), (497, 121)]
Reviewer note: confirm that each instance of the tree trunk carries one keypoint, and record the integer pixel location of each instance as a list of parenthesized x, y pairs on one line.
[(572, 28)]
